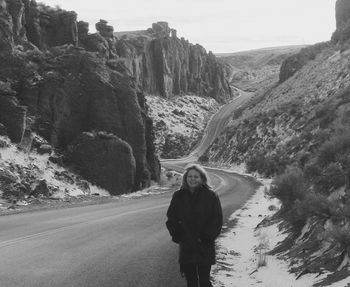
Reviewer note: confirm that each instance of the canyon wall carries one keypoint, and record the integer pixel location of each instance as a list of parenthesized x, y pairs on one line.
[(50, 86)]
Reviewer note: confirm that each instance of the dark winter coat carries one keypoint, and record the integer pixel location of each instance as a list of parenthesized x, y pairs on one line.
[(194, 221)]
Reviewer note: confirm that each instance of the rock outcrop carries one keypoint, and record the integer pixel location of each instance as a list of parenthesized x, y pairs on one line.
[(12, 114), (62, 91), (342, 13), (105, 160), (6, 30), (342, 17), (295, 62), (165, 65), (47, 27), (16, 10), (80, 93)]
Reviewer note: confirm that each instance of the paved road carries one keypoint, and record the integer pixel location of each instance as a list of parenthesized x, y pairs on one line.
[(119, 244), (216, 125), (116, 244)]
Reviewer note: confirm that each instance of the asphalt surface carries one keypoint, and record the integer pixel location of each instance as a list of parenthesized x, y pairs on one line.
[(120, 244)]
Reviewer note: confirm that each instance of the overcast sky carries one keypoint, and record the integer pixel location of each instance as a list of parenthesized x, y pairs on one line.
[(218, 25)]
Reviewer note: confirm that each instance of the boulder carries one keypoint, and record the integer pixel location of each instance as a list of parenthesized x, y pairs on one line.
[(84, 186), (105, 160), (40, 189), (105, 30), (44, 149)]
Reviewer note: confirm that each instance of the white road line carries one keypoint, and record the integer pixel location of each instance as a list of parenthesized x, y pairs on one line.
[(72, 226)]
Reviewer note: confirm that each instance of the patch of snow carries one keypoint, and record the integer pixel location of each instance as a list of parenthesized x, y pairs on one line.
[(186, 115), (153, 190), (43, 168), (242, 258)]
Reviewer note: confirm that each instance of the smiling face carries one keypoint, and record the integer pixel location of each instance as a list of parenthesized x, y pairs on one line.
[(194, 179)]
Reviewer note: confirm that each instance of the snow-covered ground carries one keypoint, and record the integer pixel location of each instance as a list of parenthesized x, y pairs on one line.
[(31, 168), (242, 259), (186, 115)]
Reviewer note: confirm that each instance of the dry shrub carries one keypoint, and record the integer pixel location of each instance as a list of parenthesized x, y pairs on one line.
[(332, 150), (289, 186)]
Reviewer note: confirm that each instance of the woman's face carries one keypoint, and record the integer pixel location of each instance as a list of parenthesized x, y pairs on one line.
[(193, 179)]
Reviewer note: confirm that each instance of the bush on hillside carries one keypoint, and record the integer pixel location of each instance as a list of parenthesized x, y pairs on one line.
[(325, 114), (203, 159), (267, 165), (289, 186), (334, 149), (341, 235), (332, 178), (315, 204), (311, 171)]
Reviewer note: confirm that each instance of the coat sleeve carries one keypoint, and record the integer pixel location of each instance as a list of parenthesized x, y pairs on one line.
[(213, 227), (173, 223)]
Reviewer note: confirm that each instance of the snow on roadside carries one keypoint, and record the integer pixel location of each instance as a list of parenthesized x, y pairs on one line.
[(41, 168), (242, 260), (65, 184)]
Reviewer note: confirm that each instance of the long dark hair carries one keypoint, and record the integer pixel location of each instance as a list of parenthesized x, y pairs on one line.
[(201, 171)]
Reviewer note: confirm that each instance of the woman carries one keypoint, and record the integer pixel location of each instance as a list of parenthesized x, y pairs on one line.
[(194, 221)]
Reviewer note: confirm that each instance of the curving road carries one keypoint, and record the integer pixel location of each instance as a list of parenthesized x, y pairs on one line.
[(216, 126), (120, 244)]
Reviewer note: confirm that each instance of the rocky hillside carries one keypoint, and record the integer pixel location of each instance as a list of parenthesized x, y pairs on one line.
[(84, 94), (179, 122), (297, 131), (251, 70)]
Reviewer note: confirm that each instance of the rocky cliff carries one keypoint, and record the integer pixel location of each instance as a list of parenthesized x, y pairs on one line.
[(50, 86), (165, 65)]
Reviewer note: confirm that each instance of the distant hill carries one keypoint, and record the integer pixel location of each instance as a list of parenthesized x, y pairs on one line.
[(250, 70)]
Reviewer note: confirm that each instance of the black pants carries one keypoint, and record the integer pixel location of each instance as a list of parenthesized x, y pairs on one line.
[(197, 274)]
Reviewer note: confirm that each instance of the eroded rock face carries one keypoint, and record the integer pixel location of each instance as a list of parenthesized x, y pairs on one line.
[(6, 30), (105, 160), (65, 90), (13, 116), (294, 63), (164, 65), (79, 93), (342, 17), (342, 13), (16, 10), (48, 27)]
